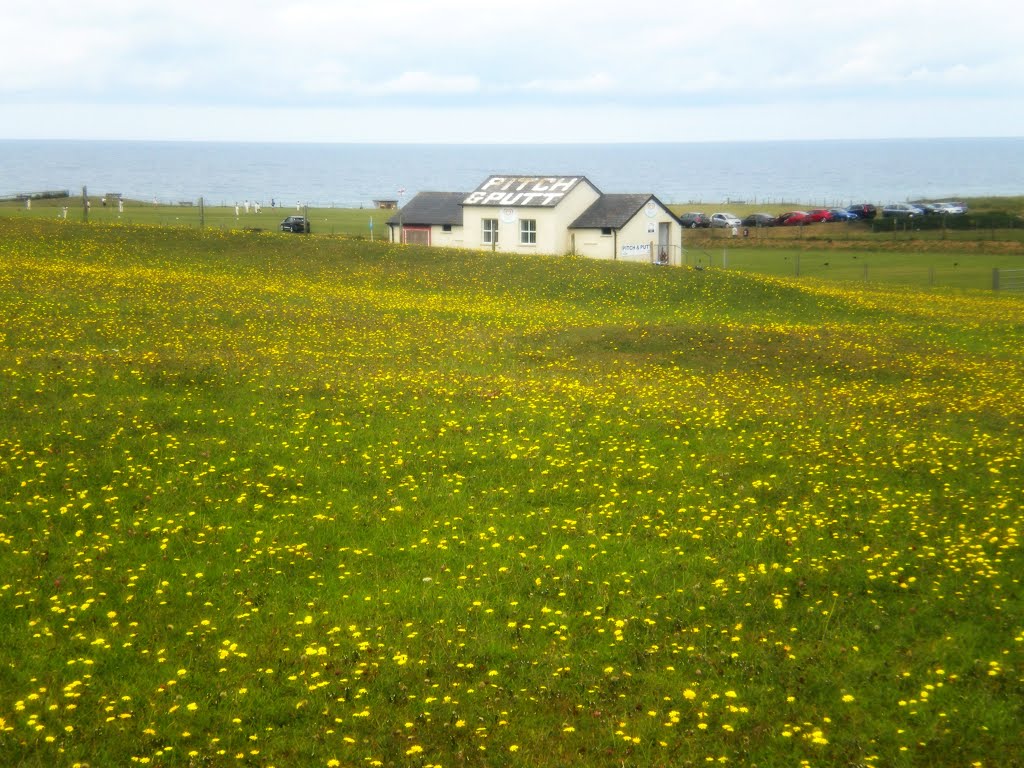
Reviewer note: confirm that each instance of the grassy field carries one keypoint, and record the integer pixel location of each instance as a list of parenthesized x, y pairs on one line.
[(1009, 212), (324, 221), (282, 501), (961, 259)]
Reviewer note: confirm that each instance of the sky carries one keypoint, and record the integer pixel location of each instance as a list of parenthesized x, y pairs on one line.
[(550, 71)]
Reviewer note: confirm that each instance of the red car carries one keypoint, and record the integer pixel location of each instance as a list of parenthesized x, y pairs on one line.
[(793, 218), (820, 214)]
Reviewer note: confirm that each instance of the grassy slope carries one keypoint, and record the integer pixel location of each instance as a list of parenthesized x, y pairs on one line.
[(294, 501), (852, 252)]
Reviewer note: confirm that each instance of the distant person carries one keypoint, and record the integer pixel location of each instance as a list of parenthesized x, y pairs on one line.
[(120, 205), (272, 204), (28, 203), (64, 212), (236, 210), (246, 205)]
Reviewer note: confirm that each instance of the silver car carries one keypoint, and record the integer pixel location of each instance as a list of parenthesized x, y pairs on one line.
[(905, 210), (726, 220)]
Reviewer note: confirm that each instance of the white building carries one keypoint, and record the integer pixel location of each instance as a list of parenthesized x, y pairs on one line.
[(543, 214)]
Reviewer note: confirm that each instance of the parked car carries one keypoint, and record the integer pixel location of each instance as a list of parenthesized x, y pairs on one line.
[(759, 220), (953, 208), (902, 210), (841, 214), (863, 210), (694, 219), (820, 214), (792, 219), (726, 220), (295, 224)]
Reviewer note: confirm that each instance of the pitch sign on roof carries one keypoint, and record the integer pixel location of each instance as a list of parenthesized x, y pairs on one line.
[(509, 191)]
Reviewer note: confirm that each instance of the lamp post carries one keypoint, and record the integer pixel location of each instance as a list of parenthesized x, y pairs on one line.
[(401, 228)]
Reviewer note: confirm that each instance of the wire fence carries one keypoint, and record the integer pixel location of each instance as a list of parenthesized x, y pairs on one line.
[(1008, 280), (911, 270)]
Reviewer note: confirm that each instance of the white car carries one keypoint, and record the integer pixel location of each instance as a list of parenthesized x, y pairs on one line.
[(726, 220)]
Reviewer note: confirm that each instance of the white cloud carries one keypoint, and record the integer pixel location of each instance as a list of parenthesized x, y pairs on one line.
[(425, 82), (599, 82), (461, 57)]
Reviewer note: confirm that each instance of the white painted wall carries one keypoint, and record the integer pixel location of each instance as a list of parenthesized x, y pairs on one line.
[(592, 244), (552, 223)]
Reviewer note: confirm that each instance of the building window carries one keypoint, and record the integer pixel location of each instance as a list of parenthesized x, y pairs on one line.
[(446, 227), (606, 231), (490, 231), (527, 231)]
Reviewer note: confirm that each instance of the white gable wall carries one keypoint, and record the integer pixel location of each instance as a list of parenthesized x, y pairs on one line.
[(637, 232), (552, 223), (634, 241)]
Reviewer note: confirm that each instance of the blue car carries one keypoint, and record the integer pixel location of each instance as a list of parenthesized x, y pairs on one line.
[(841, 214), (863, 210)]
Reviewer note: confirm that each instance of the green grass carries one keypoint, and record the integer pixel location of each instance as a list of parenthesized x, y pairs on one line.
[(959, 267), (272, 500), (324, 221)]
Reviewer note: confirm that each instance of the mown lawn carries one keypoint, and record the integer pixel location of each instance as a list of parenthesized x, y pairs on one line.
[(308, 501)]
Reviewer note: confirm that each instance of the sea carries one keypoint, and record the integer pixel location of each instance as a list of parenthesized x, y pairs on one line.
[(833, 172)]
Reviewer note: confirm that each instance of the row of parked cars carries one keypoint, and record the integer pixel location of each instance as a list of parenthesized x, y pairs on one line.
[(856, 212)]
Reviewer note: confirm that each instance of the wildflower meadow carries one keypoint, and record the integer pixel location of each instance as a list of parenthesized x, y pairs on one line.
[(283, 501)]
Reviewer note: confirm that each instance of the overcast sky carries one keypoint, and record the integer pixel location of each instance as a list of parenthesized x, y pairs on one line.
[(524, 71)]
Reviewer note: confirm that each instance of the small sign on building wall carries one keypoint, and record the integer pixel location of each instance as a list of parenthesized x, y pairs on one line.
[(651, 228), (635, 251)]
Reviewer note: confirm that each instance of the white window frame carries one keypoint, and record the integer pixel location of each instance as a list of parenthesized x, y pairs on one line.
[(489, 231), (527, 231)]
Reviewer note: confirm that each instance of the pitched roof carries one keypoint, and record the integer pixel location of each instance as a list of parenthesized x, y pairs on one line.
[(429, 208), (525, 191), (614, 211)]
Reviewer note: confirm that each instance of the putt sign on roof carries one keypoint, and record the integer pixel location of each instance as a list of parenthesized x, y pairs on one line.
[(508, 191)]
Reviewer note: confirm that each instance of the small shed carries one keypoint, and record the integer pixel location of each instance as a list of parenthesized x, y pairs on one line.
[(385, 205), (628, 228), (430, 218)]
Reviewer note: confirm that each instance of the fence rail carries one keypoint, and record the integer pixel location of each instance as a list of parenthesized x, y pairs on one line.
[(1008, 280)]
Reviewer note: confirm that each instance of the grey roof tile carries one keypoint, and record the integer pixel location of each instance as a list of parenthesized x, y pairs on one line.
[(431, 208), (613, 210)]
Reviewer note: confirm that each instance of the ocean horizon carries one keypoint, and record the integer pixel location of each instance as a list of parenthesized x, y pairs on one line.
[(825, 172)]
